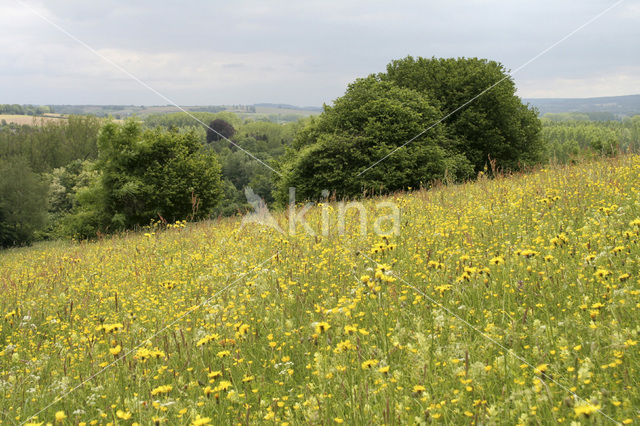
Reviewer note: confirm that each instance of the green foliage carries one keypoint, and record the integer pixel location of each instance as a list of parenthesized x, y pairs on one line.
[(147, 175), (65, 183), (373, 118), (267, 141), (52, 145), (495, 125), (181, 119), (23, 202), (29, 156), (380, 113), (569, 140)]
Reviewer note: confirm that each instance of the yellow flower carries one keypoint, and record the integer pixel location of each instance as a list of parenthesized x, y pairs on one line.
[(208, 391), (370, 363), (224, 385), (526, 253), (115, 351), (270, 415), (344, 346), (214, 374), (419, 389), (143, 354), (60, 416), (162, 390), (200, 421), (207, 339), (350, 329), (321, 327), (110, 328), (123, 415), (541, 369), (586, 409), (243, 329)]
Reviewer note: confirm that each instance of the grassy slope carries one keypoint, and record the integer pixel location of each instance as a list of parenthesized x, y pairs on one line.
[(564, 305)]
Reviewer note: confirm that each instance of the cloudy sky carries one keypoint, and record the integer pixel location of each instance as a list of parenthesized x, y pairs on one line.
[(300, 52)]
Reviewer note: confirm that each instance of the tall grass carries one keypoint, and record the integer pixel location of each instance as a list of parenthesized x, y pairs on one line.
[(503, 301)]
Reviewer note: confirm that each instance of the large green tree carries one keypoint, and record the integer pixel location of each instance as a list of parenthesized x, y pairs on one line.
[(369, 122), (145, 175), (422, 120), (495, 125)]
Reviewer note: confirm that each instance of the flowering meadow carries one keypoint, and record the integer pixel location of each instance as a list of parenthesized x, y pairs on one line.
[(512, 300)]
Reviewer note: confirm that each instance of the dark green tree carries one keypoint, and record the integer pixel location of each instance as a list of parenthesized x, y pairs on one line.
[(495, 125), (370, 121), (146, 175), (219, 129)]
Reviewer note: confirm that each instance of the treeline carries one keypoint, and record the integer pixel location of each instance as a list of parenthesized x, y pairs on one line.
[(25, 109), (567, 141), (40, 169), (87, 176)]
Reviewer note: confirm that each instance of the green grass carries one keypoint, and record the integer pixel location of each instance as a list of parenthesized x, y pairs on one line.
[(505, 301)]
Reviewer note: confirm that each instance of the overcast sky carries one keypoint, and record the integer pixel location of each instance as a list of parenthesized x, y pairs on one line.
[(301, 52)]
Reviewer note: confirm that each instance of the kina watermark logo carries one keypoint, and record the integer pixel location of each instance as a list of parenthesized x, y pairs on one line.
[(335, 218)]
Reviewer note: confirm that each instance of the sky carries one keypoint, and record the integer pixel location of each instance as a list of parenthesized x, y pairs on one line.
[(300, 52)]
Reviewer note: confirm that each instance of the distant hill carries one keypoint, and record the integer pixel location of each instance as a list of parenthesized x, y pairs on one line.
[(616, 106), (270, 111), (287, 106)]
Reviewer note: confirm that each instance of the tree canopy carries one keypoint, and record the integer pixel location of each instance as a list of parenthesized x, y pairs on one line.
[(219, 129), (496, 124), (146, 175), (370, 121), (386, 116)]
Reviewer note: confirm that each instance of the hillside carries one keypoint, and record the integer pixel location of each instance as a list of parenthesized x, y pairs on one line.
[(617, 106), (511, 300)]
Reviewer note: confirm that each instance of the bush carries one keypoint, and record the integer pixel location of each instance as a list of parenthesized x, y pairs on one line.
[(147, 175)]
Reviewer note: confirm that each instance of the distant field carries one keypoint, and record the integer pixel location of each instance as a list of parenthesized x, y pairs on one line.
[(30, 119), (37, 120)]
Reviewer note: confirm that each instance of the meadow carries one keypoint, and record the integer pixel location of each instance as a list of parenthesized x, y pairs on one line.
[(512, 300)]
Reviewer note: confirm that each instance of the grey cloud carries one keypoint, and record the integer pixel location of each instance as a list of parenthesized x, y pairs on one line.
[(205, 52)]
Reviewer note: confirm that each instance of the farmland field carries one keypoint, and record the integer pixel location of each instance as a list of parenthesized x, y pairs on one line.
[(30, 119), (513, 300)]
